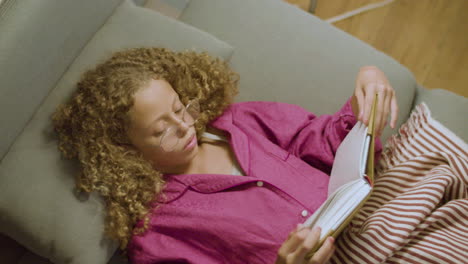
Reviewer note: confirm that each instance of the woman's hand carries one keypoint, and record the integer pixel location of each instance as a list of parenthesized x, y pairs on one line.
[(371, 80), (300, 241)]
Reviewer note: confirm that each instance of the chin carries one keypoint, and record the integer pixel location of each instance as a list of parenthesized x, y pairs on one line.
[(191, 153)]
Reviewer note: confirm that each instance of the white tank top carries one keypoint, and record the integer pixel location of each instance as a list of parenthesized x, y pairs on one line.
[(236, 170)]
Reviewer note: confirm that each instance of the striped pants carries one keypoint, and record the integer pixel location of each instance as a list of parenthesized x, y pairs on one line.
[(418, 210)]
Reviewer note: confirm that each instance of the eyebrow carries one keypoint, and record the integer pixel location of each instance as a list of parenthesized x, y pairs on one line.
[(159, 117)]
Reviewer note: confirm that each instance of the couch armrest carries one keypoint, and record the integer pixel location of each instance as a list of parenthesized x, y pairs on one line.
[(446, 107)]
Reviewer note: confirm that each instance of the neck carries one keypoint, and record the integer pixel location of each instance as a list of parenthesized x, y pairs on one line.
[(193, 166)]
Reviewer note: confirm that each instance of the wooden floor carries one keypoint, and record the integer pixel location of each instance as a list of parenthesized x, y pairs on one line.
[(429, 37)]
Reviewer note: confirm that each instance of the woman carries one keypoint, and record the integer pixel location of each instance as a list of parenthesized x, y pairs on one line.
[(188, 176)]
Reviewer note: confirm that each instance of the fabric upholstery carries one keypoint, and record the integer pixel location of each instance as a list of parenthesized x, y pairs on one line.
[(451, 109), (285, 54), (39, 39), (37, 205)]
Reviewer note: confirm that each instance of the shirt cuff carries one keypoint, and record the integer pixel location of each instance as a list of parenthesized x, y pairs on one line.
[(347, 120)]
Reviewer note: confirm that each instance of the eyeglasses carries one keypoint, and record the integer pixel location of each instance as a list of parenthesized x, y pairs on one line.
[(189, 116)]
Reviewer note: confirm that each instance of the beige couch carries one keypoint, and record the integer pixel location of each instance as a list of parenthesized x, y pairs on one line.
[(282, 54)]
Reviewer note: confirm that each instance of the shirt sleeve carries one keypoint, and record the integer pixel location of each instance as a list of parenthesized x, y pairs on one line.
[(312, 138)]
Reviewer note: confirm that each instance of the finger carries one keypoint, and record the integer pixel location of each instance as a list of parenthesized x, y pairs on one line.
[(360, 100), (379, 108), (293, 240), (369, 98), (330, 254), (298, 238), (386, 110), (379, 118), (312, 238), (394, 111), (324, 252)]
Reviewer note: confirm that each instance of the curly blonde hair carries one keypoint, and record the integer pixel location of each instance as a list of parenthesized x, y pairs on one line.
[(92, 126)]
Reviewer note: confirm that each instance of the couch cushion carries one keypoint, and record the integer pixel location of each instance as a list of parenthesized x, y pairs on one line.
[(45, 34), (37, 204), (285, 54)]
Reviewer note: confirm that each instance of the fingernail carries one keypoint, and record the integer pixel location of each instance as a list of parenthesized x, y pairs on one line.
[(360, 114), (332, 239)]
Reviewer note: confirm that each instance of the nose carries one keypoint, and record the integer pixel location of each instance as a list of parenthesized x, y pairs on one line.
[(181, 127)]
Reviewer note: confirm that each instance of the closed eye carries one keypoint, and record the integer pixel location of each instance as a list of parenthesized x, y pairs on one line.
[(179, 110), (158, 134)]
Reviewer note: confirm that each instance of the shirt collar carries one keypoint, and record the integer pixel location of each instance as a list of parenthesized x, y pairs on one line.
[(209, 183), (177, 184), (237, 138)]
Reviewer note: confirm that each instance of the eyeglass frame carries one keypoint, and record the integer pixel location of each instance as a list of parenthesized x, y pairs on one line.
[(175, 126)]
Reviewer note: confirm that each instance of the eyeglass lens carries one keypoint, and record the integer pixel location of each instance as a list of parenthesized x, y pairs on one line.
[(170, 139)]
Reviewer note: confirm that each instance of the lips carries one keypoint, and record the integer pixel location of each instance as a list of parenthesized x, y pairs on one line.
[(189, 141)]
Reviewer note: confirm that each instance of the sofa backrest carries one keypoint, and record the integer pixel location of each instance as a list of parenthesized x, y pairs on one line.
[(285, 54), (38, 205), (36, 49)]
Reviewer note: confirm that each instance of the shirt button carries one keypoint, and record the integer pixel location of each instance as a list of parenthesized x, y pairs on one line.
[(259, 183), (304, 213)]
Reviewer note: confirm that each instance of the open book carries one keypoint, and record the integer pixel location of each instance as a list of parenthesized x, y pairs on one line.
[(351, 181)]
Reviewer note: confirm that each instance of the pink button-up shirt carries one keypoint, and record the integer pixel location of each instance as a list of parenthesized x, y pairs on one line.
[(287, 154)]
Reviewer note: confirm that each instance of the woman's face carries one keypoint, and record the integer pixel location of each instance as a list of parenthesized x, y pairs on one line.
[(156, 108)]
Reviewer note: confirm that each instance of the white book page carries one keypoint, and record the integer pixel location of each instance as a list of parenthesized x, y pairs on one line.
[(338, 206), (364, 153), (350, 158), (331, 201)]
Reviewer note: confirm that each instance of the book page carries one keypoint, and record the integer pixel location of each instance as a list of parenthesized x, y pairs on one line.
[(339, 206), (348, 188), (347, 165), (364, 153)]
